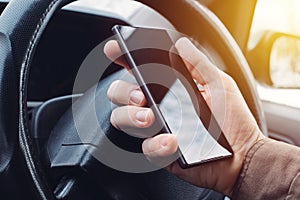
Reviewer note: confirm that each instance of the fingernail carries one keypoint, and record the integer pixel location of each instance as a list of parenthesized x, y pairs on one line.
[(142, 115), (136, 97)]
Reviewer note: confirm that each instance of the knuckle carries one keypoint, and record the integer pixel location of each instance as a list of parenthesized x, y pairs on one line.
[(147, 147)]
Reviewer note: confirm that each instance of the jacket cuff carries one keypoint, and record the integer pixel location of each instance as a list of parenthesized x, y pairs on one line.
[(270, 171)]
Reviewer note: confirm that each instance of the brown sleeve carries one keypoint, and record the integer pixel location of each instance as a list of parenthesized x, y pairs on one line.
[(271, 170)]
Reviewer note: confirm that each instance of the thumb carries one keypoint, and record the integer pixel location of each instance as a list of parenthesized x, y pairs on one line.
[(198, 64), (160, 148)]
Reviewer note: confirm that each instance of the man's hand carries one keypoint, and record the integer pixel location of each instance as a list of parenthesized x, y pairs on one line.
[(234, 118)]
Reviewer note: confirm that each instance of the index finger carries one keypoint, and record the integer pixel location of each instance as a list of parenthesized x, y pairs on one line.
[(113, 52)]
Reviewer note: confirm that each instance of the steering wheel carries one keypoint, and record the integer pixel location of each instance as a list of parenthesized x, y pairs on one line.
[(21, 26)]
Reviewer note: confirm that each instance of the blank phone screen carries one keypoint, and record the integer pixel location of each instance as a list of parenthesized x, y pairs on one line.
[(175, 94)]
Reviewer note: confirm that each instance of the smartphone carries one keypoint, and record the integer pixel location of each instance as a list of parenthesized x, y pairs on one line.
[(172, 94)]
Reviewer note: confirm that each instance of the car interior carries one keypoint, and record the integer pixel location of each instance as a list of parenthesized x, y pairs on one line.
[(54, 73)]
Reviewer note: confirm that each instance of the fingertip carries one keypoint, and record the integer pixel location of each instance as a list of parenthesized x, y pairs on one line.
[(185, 47), (113, 120), (189, 51), (197, 62), (172, 144), (111, 90), (162, 145), (181, 42), (112, 50)]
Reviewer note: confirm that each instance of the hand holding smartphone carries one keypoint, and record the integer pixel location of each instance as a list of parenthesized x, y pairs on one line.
[(172, 94)]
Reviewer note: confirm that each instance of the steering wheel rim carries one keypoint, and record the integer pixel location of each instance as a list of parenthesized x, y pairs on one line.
[(21, 31), (219, 41)]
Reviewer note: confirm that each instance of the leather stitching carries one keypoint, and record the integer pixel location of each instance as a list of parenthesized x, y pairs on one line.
[(23, 129)]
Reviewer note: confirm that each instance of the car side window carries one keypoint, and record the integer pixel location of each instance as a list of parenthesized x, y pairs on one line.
[(274, 50)]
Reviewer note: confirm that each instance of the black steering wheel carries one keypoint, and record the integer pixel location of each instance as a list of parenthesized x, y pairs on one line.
[(21, 27)]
